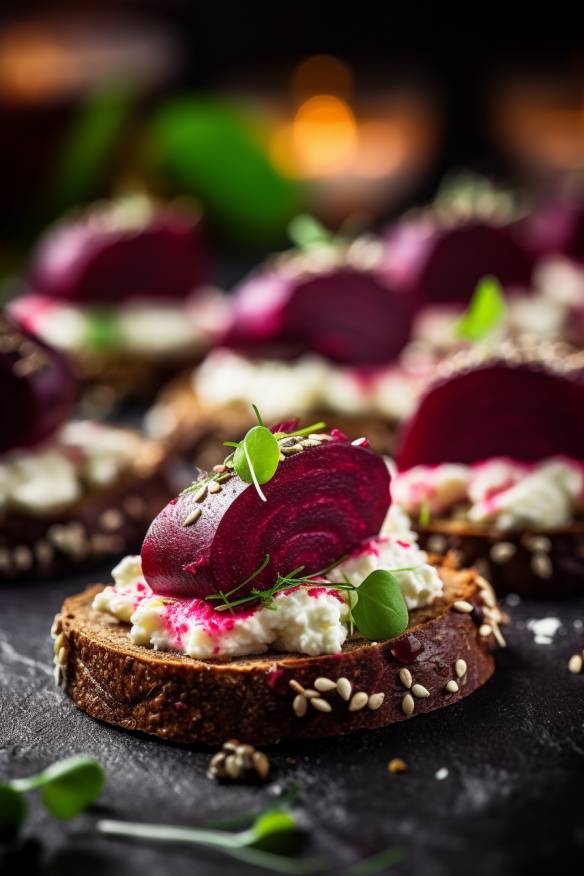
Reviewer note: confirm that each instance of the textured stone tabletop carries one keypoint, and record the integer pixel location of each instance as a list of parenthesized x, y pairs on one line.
[(494, 784)]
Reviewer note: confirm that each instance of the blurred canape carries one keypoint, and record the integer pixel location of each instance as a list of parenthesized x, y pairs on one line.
[(491, 465), (315, 332), (121, 288), (71, 492)]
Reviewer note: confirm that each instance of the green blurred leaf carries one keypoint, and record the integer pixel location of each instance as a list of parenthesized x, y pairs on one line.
[(305, 232), (211, 150), (89, 144), (485, 312), (12, 811)]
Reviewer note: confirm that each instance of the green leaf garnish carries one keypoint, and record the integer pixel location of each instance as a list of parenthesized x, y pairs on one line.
[(306, 232), (102, 332), (257, 456), (485, 311), (67, 787), (12, 811), (276, 826), (424, 518), (380, 611)]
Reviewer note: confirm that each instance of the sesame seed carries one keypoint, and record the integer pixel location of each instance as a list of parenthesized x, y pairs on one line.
[(320, 436), (344, 688), (488, 598), (299, 706), (325, 684), (437, 544), (214, 487), (261, 764), (293, 449), (321, 705), (408, 705), (375, 701), (397, 765), (405, 676), (499, 636), (200, 494), (295, 685), (463, 606), (537, 543), (310, 694), (575, 664), (485, 630), (59, 642), (541, 565), (502, 552), (451, 686), (358, 702), (441, 774), (460, 667), (419, 691), (192, 518)]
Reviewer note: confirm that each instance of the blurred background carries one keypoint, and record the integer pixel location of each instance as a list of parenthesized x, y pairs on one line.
[(259, 112)]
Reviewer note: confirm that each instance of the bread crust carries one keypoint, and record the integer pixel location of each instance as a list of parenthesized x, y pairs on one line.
[(104, 523), (201, 430), (529, 562), (185, 700)]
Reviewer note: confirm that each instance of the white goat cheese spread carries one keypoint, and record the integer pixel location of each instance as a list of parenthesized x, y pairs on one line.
[(308, 619), (83, 455), (500, 492)]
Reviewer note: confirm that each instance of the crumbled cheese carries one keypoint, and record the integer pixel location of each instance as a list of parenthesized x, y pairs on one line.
[(544, 629)]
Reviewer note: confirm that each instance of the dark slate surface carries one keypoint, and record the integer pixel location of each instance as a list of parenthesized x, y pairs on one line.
[(511, 803)]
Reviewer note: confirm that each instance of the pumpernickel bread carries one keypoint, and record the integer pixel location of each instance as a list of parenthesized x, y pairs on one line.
[(444, 655), (188, 425), (532, 562), (105, 523)]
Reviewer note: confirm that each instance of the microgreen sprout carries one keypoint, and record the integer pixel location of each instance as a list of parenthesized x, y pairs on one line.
[(485, 312), (377, 608), (67, 788)]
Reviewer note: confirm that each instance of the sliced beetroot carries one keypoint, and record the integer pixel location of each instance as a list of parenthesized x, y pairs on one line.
[(440, 265), (37, 390), (320, 504), (557, 228), (347, 315), (99, 256), (528, 411)]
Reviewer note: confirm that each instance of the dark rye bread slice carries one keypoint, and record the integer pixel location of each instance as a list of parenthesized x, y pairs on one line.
[(103, 524), (191, 426), (527, 562), (184, 700)]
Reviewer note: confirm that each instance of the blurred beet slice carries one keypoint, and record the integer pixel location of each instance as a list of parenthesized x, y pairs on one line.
[(121, 251), (444, 264), (556, 228), (320, 504), (347, 315), (528, 410), (37, 390)]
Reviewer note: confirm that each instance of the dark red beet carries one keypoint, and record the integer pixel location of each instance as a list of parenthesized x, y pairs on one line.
[(527, 411), (444, 264), (320, 504), (350, 316), (557, 228), (37, 390), (95, 257)]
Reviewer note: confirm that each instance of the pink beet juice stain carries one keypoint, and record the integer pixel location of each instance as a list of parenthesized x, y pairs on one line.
[(407, 649)]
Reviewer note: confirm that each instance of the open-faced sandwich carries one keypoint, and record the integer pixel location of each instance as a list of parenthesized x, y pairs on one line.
[(279, 596), (315, 332), (492, 465), (121, 289), (70, 492)]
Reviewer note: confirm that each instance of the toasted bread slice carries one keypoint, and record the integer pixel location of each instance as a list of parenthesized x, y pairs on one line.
[(105, 523), (530, 562), (445, 654), (191, 426)]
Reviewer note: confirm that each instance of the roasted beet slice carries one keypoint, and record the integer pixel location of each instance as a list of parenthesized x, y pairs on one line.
[(443, 264), (528, 405), (348, 315), (557, 228), (121, 251), (37, 390), (320, 504)]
